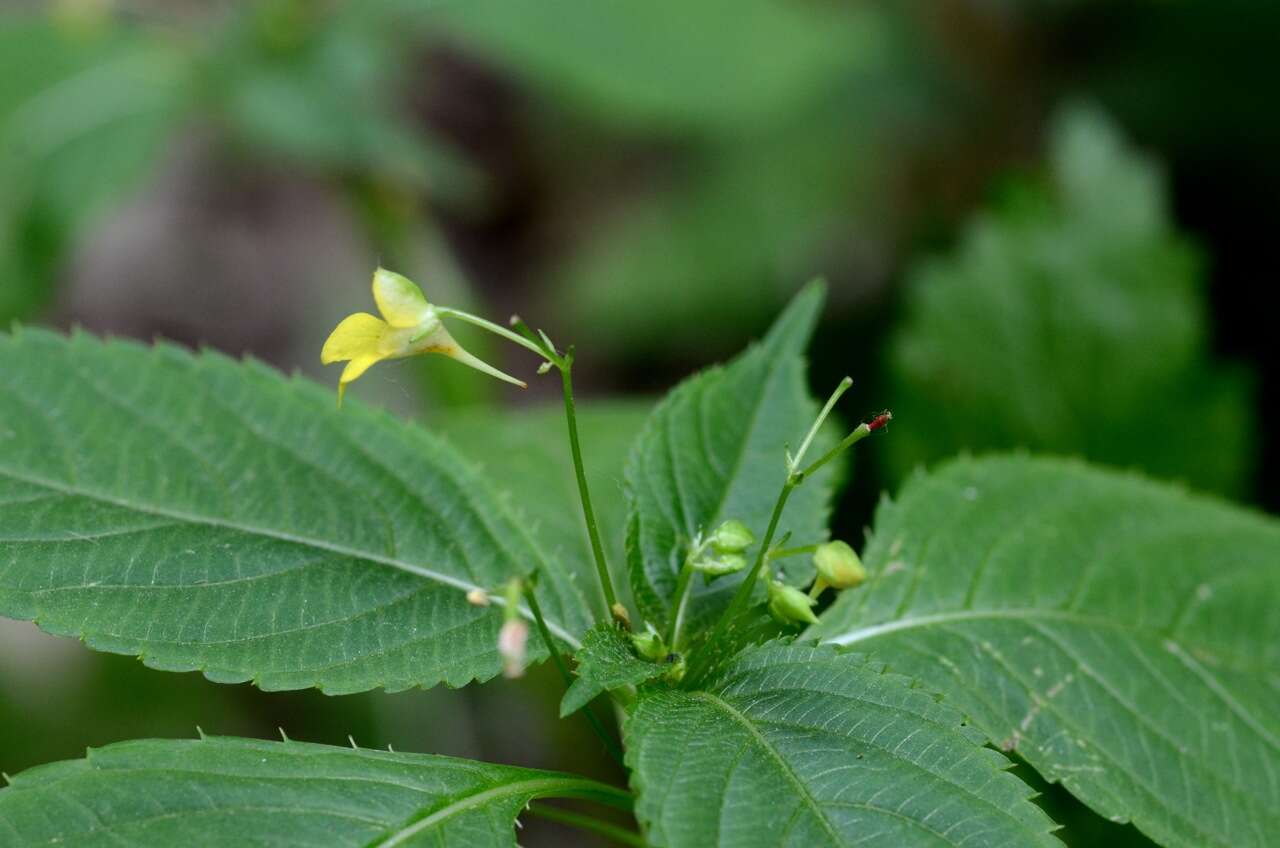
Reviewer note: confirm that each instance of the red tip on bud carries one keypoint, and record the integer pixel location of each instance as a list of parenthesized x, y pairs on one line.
[(879, 421)]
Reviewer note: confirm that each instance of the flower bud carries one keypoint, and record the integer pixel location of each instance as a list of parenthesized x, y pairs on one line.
[(731, 537), (719, 566), (676, 668), (838, 565), (511, 643), (649, 644), (788, 605)]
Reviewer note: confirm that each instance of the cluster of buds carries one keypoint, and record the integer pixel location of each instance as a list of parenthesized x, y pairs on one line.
[(837, 566), (650, 645), (721, 552)]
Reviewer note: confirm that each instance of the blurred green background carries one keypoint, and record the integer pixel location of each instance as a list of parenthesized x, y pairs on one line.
[(1045, 224)]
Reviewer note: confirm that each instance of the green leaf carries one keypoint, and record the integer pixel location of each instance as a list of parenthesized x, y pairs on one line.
[(1118, 634), (526, 456), (606, 662), (599, 57), (209, 515), (225, 791), (1072, 320), (797, 746), (712, 451)]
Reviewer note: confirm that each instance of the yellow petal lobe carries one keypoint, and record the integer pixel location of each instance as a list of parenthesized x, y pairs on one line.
[(352, 372), (357, 335), (399, 299)]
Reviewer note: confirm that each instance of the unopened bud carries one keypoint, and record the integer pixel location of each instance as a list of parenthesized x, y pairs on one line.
[(788, 605), (838, 565), (649, 644), (718, 566), (731, 537), (478, 598), (511, 644), (620, 614), (677, 668)]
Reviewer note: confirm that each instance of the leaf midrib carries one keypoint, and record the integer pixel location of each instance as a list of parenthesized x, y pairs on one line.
[(1024, 614), (802, 788), (539, 787), (278, 535)]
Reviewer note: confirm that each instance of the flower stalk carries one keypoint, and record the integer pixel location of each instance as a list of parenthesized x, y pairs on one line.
[(796, 476), (563, 667), (542, 345)]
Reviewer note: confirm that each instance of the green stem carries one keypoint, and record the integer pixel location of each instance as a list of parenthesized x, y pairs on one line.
[(847, 442), (544, 347), (817, 423), (583, 822), (563, 667), (682, 603), (790, 552), (743, 596), (588, 512)]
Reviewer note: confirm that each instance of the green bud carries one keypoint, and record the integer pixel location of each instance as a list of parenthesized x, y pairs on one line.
[(649, 644), (720, 565), (677, 668), (788, 605), (838, 565), (732, 537)]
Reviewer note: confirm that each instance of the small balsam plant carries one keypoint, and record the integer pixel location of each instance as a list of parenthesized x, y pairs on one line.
[(760, 683)]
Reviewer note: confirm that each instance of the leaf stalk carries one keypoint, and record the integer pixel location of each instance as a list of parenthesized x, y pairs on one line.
[(566, 675)]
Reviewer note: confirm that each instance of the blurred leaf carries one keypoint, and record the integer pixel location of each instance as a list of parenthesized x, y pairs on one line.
[(226, 791), (207, 515), (801, 746), (1119, 634), (606, 662), (83, 115), (1071, 320), (701, 258), (526, 455), (715, 65), (713, 451), (751, 123), (316, 85), (55, 698)]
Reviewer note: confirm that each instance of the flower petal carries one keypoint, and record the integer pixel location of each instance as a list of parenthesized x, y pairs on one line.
[(399, 299), (357, 335), (352, 372)]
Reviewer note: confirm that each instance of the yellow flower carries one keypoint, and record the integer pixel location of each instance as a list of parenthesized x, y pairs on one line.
[(409, 325)]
